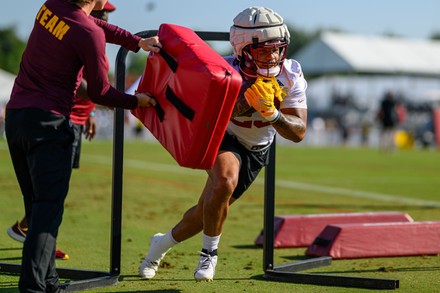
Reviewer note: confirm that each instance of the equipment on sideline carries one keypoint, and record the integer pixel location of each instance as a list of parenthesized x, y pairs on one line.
[(363, 240), (301, 230)]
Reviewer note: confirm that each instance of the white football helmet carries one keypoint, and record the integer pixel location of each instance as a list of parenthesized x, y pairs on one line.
[(259, 27)]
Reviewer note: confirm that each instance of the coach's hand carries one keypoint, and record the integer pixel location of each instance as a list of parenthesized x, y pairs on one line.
[(261, 97), (150, 44), (144, 100)]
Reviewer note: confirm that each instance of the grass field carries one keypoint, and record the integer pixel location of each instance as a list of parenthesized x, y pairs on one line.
[(157, 192)]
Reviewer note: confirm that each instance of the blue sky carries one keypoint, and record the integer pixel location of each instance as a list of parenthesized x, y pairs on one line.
[(408, 18)]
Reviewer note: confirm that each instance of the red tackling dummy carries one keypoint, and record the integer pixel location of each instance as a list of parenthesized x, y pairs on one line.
[(196, 91), (360, 240)]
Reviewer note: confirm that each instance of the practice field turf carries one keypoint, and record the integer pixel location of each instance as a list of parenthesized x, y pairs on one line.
[(157, 192)]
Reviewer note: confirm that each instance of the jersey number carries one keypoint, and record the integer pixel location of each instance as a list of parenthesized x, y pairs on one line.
[(248, 123)]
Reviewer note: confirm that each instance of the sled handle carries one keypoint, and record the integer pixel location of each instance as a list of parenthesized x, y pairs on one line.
[(168, 59)]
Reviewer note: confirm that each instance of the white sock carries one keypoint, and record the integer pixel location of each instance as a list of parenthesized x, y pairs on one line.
[(162, 246), (168, 240), (210, 243)]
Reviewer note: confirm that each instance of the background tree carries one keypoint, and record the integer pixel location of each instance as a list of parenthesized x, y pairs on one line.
[(136, 63), (298, 39), (11, 49), (435, 36)]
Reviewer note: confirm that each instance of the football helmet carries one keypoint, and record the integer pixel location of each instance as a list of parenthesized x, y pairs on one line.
[(259, 28)]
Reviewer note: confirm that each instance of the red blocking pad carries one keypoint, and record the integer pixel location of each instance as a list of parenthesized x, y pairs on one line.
[(195, 90), (377, 240), (301, 230)]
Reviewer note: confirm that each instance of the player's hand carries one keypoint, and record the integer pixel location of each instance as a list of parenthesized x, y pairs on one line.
[(279, 92), (144, 100), (261, 97), (90, 131), (150, 44)]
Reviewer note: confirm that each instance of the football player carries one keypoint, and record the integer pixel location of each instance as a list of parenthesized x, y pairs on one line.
[(273, 100)]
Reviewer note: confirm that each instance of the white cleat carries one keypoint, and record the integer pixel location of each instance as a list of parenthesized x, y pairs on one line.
[(206, 269), (150, 265)]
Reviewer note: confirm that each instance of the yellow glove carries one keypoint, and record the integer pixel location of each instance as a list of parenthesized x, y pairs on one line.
[(279, 93), (261, 97)]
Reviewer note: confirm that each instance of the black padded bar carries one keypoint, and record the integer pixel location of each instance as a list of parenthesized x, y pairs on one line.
[(331, 280)]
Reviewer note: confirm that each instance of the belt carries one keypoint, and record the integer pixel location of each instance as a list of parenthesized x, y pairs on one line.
[(259, 147), (251, 148)]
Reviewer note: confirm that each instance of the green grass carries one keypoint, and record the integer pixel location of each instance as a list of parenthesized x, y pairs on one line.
[(157, 192)]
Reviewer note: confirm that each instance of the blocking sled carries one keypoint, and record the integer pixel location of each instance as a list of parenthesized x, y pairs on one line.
[(196, 90), (362, 240), (301, 230)]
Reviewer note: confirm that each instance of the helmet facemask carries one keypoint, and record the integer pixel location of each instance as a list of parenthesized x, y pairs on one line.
[(259, 28), (263, 59)]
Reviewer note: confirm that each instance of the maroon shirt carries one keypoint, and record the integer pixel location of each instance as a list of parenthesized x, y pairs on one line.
[(63, 42)]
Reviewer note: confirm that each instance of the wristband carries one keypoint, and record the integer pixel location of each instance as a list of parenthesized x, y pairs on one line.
[(274, 117), (92, 114)]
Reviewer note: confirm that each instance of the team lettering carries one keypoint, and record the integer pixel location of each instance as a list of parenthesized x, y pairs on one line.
[(57, 27)]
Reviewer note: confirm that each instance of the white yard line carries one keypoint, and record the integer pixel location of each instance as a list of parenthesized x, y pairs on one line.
[(143, 165), (355, 193)]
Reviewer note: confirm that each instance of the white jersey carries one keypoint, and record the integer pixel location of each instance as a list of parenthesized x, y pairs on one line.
[(254, 132)]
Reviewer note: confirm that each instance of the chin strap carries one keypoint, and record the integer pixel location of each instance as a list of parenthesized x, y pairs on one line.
[(268, 72)]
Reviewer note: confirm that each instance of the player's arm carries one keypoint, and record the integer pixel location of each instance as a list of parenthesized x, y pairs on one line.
[(98, 86), (90, 130), (119, 36), (292, 124), (241, 107), (81, 92)]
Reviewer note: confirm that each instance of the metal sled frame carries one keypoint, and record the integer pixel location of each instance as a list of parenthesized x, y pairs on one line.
[(289, 272)]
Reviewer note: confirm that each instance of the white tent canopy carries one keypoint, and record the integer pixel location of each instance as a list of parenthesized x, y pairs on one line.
[(6, 83), (349, 53), (365, 67)]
